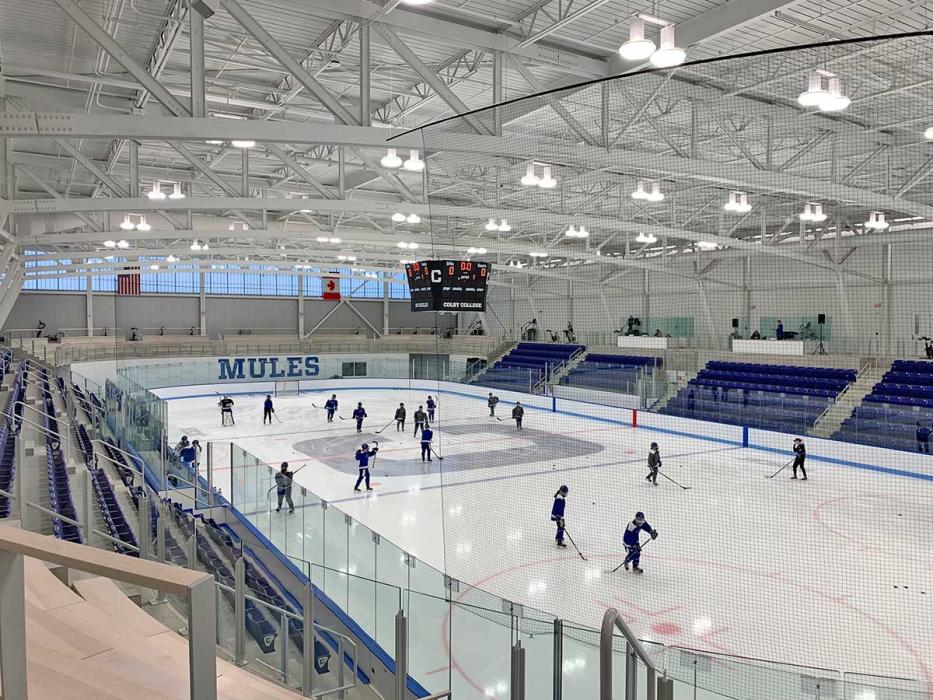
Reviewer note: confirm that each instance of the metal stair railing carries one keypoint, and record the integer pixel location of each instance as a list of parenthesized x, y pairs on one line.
[(657, 689)]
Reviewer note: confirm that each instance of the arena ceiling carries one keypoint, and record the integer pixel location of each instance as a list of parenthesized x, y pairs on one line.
[(105, 97)]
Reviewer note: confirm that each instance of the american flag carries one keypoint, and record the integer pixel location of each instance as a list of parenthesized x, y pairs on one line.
[(128, 281)]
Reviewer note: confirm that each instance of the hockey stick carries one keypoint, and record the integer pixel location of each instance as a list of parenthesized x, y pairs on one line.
[(277, 416), (437, 455), (380, 431), (781, 469), (567, 532), (640, 547), (685, 488)]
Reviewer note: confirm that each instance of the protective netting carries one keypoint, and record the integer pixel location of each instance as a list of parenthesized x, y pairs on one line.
[(666, 306)]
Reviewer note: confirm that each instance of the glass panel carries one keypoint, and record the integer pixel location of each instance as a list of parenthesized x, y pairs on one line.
[(336, 533)]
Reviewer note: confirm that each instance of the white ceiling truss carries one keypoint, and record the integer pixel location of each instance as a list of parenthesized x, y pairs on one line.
[(101, 98)]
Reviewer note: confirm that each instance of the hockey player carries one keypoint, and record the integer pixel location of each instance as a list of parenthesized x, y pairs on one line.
[(923, 438), (267, 410), (283, 487), (426, 436), (421, 420), (189, 455), (359, 413), (800, 456), (517, 414), (654, 463), (400, 414), (632, 542), (362, 457), (226, 411), (492, 401), (557, 513), (331, 406), (431, 404)]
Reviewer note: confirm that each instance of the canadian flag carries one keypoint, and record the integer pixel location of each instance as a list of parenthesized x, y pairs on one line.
[(331, 288)]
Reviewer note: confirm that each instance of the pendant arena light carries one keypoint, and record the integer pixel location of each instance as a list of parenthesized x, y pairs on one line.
[(530, 179), (668, 54), (637, 48), (390, 159), (414, 163)]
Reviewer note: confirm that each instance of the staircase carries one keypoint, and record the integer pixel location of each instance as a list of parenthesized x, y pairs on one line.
[(564, 369), (497, 354), (852, 396), (673, 388)]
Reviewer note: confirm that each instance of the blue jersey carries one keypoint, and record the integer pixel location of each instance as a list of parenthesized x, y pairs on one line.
[(331, 404), (267, 404), (633, 532), (923, 434), (359, 413), (363, 457), (426, 436), (557, 510), (430, 404), (189, 453)]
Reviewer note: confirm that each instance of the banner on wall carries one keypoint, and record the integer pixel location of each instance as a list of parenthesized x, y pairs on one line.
[(298, 367), (331, 287)]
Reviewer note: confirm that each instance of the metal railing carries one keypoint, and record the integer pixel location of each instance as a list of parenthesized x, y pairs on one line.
[(195, 587), (613, 621)]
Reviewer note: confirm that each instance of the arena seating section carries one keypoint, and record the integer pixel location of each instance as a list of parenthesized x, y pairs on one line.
[(527, 364), (14, 407), (888, 416), (772, 397), (611, 372)]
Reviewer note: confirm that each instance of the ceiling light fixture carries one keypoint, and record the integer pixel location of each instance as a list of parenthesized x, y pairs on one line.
[(205, 246), (110, 244), (214, 142), (813, 212), (637, 48), (655, 195), (242, 143), (156, 191), (928, 134), (814, 94), (414, 163), (547, 182), (504, 227), (668, 54), (537, 254), (142, 225), (738, 203), (413, 219), (122, 245), (195, 246), (398, 217), (646, 238), (576, 232), (639, 192), (333, 240), (127, 224), (530, 179), (153, 267), (322, 239), (391, 159), (876, 221), (706, 245), (491, 225), (176, 192), (171, 259), (834, 101)]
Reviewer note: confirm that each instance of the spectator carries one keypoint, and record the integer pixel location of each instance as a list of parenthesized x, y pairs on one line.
[(923, 439), (39, 328), (756, 335), (779, 330)]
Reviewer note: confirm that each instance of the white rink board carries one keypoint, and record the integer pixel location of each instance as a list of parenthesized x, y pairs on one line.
[(802, 572)]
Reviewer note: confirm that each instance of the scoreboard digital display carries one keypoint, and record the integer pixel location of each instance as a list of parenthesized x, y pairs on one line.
[(448, 285)]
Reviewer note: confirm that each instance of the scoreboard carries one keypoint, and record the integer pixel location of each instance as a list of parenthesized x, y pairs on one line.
[(448, 285)]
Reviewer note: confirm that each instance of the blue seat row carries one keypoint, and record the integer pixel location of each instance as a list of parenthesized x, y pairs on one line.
[(848, 375), (625, 360), (110, 509)]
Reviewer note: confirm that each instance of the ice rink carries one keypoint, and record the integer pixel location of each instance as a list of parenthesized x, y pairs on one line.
[(832, 573)]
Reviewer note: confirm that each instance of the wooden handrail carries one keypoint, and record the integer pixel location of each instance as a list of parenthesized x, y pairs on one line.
[(149, 574)]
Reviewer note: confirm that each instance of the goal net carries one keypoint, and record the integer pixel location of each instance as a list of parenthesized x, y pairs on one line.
[(287, 388)]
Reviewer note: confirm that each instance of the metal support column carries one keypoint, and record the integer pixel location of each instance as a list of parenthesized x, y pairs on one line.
[(13, 629), (89, 303), (518, 672), (196, 42), (365, 72), (497, 73), (887, 298), (144, 526), (25, 516), (401, 655), (307, 637), (202, 302), (134, 168), (605, 116), (385, 308), (202, 636), (631, 673), (244, 172), (210, 476), (558, 665), (341, 173), (239, 613), (301, 305)]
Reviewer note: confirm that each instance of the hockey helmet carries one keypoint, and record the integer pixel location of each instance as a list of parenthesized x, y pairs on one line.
[(639, 517), (654, 445), (365, 446), (564, 490)]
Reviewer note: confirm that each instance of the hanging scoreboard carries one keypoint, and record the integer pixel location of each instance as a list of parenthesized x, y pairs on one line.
[(448, 285)]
